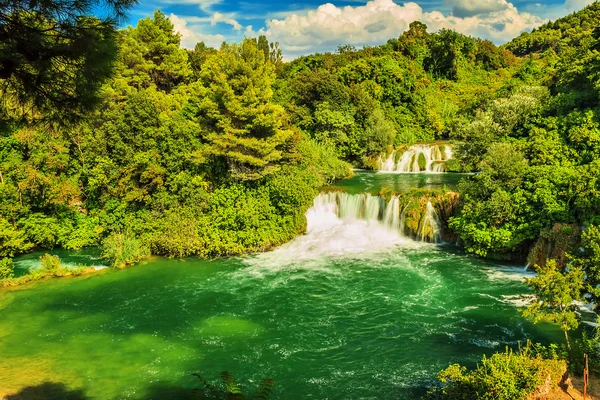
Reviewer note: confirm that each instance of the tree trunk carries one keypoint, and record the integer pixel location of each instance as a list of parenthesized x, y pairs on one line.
[(567, 339)]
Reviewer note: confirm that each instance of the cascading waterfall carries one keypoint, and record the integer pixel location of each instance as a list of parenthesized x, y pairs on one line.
[(392, 215), (430, 224), (418, 158), (339, 205), (334, 208)]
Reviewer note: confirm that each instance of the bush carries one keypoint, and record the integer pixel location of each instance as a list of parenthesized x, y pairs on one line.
[(50, 264), (6, 268), (123, 249), (503, 376)]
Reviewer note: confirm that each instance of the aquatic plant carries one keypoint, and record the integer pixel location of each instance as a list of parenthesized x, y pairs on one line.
[(232, 391)]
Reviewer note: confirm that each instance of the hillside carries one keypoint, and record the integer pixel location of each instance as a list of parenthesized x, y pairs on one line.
[(568, 32)]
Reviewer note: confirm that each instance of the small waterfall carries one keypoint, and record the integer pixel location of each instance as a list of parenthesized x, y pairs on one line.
[(336, 207), (430, 227), (418, 158), (391, 218), (526, 267), (333, 206), (403, 220)]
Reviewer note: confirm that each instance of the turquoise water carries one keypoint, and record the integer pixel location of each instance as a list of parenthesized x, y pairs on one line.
[(348, 311), (88, 257), (374, 182)]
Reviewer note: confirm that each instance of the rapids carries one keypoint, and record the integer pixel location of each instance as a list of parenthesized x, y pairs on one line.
[(350, 310)]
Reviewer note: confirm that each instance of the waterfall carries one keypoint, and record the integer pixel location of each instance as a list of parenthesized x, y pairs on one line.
[(391, 218), (334, 208), (429, 227), (339, 205), (526, 267), (418, 158)]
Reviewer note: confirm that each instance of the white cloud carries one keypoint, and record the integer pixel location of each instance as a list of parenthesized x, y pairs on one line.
[(329, 26), (379, 20), (498, 26), (190, 35), (306, 31), (226, 19)]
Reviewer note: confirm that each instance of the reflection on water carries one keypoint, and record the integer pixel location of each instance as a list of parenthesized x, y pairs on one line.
[(373, 182)]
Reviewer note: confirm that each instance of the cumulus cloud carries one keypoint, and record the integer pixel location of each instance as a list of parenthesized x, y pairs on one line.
[(227, 19), (328, 25), (192, 34), (498, 26), (378, 20)]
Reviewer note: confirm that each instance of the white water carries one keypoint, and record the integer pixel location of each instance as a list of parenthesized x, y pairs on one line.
[(430, 225), (435, 159), (344, 226)]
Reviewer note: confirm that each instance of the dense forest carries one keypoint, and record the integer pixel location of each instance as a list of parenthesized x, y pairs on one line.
[(125, 140), (218, 152)]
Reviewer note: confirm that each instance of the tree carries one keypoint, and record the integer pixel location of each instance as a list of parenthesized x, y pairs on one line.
[(54, 56), (233, 105), (449, 52), (198, 56), (152, 55), (414, 42), (555, 291), (588, 259)]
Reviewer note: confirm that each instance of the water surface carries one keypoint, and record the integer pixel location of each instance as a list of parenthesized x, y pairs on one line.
[(351, 310), (374, 182)]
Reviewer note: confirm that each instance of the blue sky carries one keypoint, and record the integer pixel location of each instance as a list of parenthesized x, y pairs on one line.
[(303, 27)]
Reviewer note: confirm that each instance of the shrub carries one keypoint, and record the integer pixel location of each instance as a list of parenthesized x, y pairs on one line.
[(123, 249), (6, 268), (503, 376), (50, 264)]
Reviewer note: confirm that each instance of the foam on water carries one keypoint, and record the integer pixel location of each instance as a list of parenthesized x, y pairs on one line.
[(340, 226), (508, 273)]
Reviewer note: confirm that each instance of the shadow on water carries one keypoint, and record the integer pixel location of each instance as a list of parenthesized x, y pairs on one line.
[(168, 391), (47, 391), (59, 391)]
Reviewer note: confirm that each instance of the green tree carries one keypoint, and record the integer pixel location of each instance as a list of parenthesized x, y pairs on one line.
[(152, 55), (588, 260), (234, 108), (6, 268), (555, 290), (55, 55)]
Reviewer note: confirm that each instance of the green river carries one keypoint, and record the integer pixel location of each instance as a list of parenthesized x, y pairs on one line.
[(350, 310)]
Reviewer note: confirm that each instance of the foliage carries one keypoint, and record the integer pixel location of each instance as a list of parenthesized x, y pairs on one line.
[(123, 249), (6, 268), (503, 376), (232, 104), (50, 264), (561, 35), (588, 260), (50, 267), (231, 389), (54, 56), (555, 292)]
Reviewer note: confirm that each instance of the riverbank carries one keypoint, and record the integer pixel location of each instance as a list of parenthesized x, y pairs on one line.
[(348, 300)]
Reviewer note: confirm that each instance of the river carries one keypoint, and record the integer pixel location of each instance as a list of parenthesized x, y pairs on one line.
[(350, 310)]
